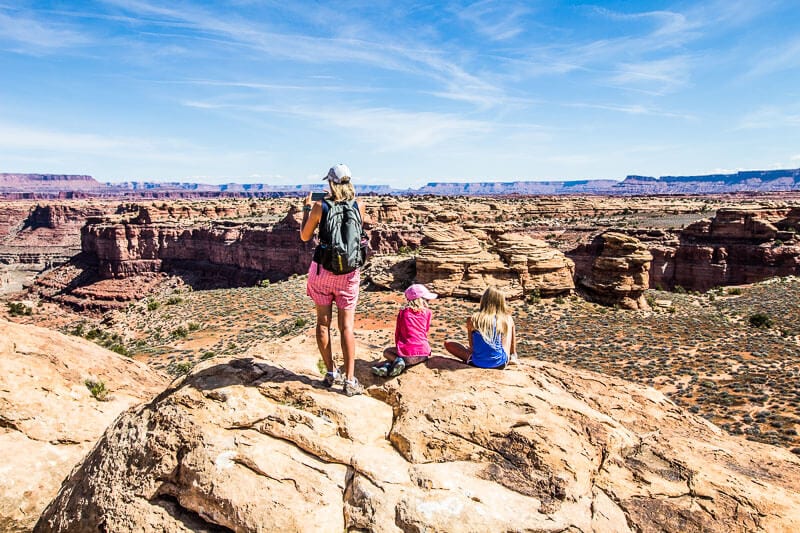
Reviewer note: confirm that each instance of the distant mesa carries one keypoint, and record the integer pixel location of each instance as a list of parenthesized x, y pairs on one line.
[(67, 186)]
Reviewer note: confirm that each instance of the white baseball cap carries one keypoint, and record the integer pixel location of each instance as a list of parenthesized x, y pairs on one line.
[(337, 172)]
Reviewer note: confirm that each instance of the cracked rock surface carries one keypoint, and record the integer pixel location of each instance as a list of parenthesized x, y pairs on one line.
[(48, 417), (257, 444)]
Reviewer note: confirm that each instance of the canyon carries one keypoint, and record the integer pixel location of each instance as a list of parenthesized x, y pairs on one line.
[(608, 249)]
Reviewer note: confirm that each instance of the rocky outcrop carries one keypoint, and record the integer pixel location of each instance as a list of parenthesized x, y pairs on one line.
[(453, 262), (48, 417), (619, 273), (257, 445), (738, 246), (541, 268), (37, 237)]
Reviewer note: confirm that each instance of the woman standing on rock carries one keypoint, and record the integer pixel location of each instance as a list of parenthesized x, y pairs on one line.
[(491, 334), (338, 213)]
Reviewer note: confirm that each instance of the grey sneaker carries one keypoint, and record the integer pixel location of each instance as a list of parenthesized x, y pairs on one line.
[(332, 377), (382, 370), (398, 367), (351, 388)]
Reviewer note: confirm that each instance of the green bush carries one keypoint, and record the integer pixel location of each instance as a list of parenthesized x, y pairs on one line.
[(734, 291), (152, 305), (180, 332), (97, 388), (19, 309), (761, 320), (173, 300), (180, 369)]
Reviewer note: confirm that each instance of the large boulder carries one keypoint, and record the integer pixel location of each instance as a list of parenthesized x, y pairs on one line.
[(259, 445), (454, 262), (620, 271), (49, 418)]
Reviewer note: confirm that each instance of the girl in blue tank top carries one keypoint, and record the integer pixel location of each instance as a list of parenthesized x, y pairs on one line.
[(492, 339)]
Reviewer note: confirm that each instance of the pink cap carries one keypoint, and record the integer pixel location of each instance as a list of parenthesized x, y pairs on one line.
[(419, 291)]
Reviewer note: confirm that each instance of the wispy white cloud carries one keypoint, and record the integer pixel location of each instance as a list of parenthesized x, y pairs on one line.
[(659, 76), (768, 117), (381, 51), (784, 56), (386, 129), (497, 21), (26, 34), (633, 109)]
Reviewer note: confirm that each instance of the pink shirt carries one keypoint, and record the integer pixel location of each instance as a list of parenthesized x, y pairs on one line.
[(411, 332)]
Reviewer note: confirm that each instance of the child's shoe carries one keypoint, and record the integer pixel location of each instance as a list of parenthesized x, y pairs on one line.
[(332, 377), (382, 370), (398, 367), (351, 388)]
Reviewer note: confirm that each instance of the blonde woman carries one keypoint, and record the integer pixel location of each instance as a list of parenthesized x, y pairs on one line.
[(491, 334), (324, 287)]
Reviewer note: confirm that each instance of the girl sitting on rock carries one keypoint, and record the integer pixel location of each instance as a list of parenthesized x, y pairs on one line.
[(410, 334), (490, 330)]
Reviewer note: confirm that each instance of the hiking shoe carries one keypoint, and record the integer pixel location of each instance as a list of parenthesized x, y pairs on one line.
[(331, 378), (382, 370), (398, 367), (351, 388)]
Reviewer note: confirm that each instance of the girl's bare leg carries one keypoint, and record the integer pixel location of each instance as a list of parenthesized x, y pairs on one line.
[(458, 349), (390, 354)]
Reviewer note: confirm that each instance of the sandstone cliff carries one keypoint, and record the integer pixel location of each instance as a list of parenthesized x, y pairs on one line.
[(48, 416), (738, 246), (455, 262), (258, 445)]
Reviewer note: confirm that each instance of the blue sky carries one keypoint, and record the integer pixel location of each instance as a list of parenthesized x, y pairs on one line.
[(403, 92)]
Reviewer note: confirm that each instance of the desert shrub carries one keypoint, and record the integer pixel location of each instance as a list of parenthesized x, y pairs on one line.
[(734, 291), (264, 283), (534, 297), (300, 322), (180, 369), (97, 389), (761, 320), (207, 355), (180, 332), (174, 300), (152, 305), (19, 309), (194, 326), (679, 289)]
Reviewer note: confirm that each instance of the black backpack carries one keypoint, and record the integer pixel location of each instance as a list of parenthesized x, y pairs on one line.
[(342, 241)]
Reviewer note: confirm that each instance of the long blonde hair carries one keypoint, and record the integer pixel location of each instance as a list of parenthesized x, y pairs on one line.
[(342, 191), (417, 304), (493, 310)]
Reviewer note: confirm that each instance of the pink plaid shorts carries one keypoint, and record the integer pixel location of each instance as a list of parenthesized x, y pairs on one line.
[(326, 287)]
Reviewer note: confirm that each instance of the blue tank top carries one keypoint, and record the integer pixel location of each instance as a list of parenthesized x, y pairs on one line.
[(488, 354)]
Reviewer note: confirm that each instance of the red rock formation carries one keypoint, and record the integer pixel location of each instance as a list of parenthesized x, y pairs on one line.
[(737, 246), (454, 263), (620, 272)]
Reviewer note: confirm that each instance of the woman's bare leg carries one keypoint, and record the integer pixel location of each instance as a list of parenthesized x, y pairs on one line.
[(324, 335), (347, 319)]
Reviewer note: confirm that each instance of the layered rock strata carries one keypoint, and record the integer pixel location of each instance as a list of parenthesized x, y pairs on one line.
[(249, 445), (619, 273), (48, 417), (453, 262), (37, 237), (738, 246)]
